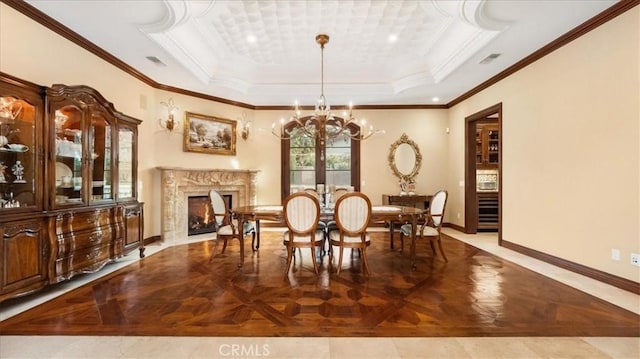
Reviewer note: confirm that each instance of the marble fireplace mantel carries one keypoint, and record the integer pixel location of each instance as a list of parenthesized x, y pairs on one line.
[(179, 183)]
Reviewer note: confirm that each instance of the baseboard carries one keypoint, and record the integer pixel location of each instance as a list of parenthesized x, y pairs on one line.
[(454, 226), (151, 239), (622, 283)]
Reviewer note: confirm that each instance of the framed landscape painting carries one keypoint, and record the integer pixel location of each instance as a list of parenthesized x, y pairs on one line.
[(208, 134)]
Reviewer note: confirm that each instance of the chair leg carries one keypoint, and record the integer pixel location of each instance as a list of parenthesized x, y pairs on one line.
[(289, 258), (433, 249), (365, 261), (441, 251), (325, 238), (215, 250), (340, 260), (253, 241), (413, 254), (241, 240), (391, 235), (224, 245), (313, 258), (330, 264), (401, 242)]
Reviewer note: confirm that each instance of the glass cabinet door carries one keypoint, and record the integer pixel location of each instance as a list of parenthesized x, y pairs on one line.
[(125, 163), (17, 153), (69, 157), (100, 157)]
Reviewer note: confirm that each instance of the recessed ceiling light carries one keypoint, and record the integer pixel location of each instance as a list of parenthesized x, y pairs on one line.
[(392, 38), (435, 99), (251, 39)]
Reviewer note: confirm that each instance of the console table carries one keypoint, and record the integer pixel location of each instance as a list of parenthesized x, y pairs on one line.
[(415, 200)]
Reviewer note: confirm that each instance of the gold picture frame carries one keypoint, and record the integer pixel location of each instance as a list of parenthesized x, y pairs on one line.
[(209, 134)]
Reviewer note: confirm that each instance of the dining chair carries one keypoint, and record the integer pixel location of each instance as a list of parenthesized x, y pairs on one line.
[(352, 215), (331, 225), (432, 225), (225, 226), (321, 225), (301, 212)]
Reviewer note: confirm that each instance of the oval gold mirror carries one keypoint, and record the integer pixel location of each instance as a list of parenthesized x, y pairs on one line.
[(405, 158)]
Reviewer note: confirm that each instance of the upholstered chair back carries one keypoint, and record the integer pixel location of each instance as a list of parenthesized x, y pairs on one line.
[(436, 208), (353, 212), (301, 212), (219, 207)]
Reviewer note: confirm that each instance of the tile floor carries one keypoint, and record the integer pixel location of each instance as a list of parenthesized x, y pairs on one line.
[(226, 347)]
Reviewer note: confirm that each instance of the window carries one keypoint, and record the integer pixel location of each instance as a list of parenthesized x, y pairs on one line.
[(307, 162)]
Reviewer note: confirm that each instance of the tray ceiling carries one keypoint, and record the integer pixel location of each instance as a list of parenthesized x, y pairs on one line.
[(264, 52)]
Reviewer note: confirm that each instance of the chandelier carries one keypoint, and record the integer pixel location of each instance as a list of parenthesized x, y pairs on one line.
[(322, 124)]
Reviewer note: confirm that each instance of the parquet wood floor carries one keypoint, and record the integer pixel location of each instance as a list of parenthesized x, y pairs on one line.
[(177, 292)]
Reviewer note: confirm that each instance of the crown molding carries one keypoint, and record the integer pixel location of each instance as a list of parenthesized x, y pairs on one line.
[(612, 12)]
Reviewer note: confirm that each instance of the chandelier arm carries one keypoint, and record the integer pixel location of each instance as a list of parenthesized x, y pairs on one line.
[(323, 125)]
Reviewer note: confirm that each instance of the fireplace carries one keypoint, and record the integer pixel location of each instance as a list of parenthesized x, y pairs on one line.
[(200, 214), (178, 184)]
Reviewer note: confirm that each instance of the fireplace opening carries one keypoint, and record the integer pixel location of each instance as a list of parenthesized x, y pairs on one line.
[(200, 214)]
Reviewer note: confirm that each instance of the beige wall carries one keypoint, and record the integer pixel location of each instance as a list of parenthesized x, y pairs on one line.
[(570, 149), (570, 133)]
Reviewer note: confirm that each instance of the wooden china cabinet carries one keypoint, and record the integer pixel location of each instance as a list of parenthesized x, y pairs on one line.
[(487, 145), (67, 187), (487, 163), (24, 248)]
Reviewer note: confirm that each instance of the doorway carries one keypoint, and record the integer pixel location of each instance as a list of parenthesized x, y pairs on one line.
[(483, 160)]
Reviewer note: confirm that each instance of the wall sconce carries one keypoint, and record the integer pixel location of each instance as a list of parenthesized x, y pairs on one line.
[(245, 126), (244, 133), (169, 123)]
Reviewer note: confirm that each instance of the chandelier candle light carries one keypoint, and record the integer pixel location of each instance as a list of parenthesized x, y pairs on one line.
[(323, 124)]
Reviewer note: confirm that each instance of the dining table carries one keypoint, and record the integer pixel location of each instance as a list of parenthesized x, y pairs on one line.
[(274, 213)]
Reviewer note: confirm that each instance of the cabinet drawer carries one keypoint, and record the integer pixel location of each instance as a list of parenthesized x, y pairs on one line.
[(85, 260), (70, 242), (79, 221), (99, 236)]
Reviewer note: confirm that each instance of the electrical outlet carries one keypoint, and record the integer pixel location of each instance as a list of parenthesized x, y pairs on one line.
[(615, 254), (635, 259)]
